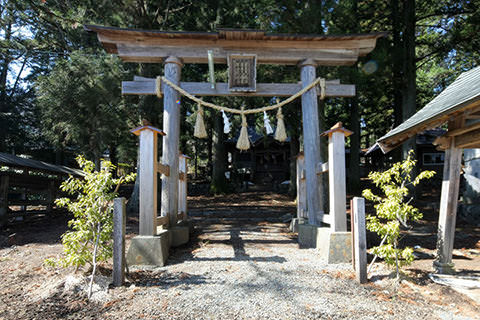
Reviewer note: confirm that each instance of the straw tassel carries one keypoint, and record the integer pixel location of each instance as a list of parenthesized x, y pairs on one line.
[(243, 142), (199, 130), (280, 133), (266, 123), (158, 86)]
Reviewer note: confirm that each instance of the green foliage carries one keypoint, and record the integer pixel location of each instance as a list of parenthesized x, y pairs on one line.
[(392, 210), (93, 214)]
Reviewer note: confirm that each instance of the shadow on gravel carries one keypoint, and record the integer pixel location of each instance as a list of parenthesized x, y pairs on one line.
[(164, 280)]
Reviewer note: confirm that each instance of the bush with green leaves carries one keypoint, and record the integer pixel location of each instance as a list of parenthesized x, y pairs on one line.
[(393, 210), (89, 239)]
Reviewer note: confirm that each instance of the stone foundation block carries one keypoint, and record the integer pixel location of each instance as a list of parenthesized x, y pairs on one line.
[(334, 247), (149, 250), (179, 235)]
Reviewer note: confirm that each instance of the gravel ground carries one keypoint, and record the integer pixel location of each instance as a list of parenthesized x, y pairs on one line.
[(259, 273), (231, 270)]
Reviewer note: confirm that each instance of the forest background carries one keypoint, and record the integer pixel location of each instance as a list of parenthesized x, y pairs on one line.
[(60, 92)]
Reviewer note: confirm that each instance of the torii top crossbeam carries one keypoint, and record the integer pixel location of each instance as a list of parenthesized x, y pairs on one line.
[(149, 46)]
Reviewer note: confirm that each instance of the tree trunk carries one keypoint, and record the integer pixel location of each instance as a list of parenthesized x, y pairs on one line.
[(294, 149), (219, 182), (409, 70)]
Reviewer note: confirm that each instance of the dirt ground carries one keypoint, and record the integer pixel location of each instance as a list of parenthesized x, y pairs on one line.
[(31, 290)]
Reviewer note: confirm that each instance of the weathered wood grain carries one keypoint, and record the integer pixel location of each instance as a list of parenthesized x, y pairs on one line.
[(146, 86), (360, 237), (148, 182), (337, 181), (119, 223), (170, 152), (311, 142), (301, 188)]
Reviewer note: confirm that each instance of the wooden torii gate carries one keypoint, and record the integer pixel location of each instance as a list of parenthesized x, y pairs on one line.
[(242, 50)]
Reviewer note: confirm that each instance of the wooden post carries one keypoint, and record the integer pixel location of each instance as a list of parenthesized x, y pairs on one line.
[(448, 206), (311, 143), (182, 186), (360, 239), (119, 221), (301, 187), (4, 184), (148, 179), (336, 176), (170, 152)]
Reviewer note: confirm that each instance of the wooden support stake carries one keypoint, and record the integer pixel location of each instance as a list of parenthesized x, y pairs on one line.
[(301, 188), (119, 222), (352, 231), (170, 153), (311, 142), (182, 186), (360, 239)]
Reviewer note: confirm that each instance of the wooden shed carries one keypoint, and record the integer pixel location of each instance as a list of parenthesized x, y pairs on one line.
[(29, 185), (458, 106)]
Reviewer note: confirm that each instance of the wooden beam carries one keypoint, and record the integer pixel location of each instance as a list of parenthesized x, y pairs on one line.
[(467, 140), (463, 130), (192, 54), (163, 169), (146, 86)]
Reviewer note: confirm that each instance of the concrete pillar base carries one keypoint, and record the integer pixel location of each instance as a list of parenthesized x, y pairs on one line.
[(149, 250), (334, 247), (179, 235), (295, 222), (444, 268)]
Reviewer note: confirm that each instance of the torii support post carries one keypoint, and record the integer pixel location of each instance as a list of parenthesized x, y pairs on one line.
[(170, 152), (301, 194), (448, 204), (311, 142), (151, 247), (337, 177), (148, 178)]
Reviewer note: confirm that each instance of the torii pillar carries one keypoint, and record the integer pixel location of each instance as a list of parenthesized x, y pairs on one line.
[(311, 143), (171, 153)]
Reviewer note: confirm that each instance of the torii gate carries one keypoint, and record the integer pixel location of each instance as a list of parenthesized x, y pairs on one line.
[(242, 50)]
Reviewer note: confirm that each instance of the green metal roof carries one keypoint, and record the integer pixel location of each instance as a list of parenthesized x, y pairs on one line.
[(464, 91)]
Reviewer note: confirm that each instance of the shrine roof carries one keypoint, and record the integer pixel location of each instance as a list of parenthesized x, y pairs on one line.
[(135, 45), (462, 96)]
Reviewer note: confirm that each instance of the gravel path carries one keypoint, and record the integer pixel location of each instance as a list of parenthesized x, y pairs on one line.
[(239, 270)]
